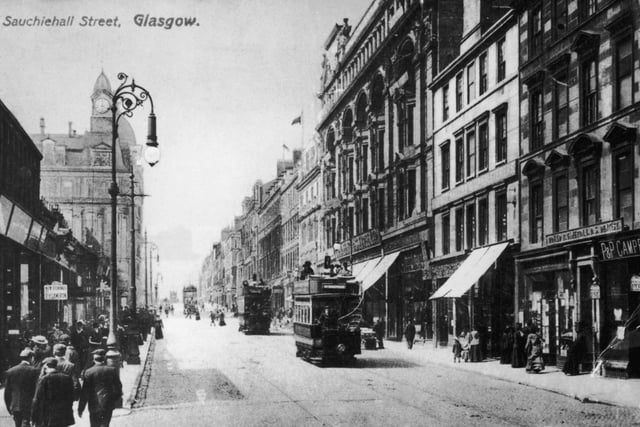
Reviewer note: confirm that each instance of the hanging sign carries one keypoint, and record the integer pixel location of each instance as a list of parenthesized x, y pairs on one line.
[(635, 283), (56, 291), (594, 292)]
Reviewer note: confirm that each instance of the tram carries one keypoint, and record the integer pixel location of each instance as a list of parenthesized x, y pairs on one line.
[(254, 309), (326, 319)]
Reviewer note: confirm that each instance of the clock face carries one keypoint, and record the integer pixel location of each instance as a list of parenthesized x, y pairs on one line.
[(102, 105)]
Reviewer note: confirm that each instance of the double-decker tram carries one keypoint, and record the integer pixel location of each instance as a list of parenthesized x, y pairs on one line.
[(326, 318), (254, 309)]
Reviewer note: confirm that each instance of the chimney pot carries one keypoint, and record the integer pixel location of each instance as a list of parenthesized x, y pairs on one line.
[(41, 125), (70, 128)]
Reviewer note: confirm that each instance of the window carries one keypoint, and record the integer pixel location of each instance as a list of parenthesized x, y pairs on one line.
[(459, 159), (624, 186), (590, 193), (459, 229), (400, 180), (380, 146), (483, 146), (535, 211), (445, 234), (501, 216), (587, 8), (483, 222), (351, 173), (589, 92), (535, 31), (459, 92), (561, 106), (411, 191), (365, 215), (501, 136), (561, 203), (445, 158), (624, 73), (471, 82), (365, 163), (445, 103), (502, 65), (471, 152), (381, 210), (560, 17), (536, 124), (67, 190), (483, 73), (471, 225)]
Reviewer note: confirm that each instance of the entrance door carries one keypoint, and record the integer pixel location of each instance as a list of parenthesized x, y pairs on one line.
[(586, 315)]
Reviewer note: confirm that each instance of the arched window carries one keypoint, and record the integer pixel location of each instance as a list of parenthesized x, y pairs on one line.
[(377, 95), (347, 126), (361, 111)]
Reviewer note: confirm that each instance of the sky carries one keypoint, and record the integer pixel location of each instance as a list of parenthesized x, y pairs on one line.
[(225, 91)]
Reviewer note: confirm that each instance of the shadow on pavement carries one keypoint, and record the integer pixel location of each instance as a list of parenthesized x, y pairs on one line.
[(382, 362)]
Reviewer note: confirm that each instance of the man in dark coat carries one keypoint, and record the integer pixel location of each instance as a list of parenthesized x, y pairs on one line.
[(410, 333), (53, 402), (379, 329), (101, 390), (20, 388), (66, 367)]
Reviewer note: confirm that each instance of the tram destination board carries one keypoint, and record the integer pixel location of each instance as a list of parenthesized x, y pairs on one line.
[(326, 284)]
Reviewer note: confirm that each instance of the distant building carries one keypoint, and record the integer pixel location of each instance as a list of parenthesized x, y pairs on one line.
[(76, 175)]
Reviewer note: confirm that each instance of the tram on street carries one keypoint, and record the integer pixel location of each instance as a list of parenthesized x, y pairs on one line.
[(326, 320), (189, 299), (254, 309)]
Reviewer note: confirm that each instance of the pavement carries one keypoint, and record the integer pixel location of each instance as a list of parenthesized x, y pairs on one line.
[(586, 388), (130, 376)]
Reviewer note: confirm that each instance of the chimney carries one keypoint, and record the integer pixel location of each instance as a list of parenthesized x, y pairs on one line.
[(70, 129), (42, 126)]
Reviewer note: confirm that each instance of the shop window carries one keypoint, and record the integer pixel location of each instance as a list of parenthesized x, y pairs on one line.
[(501, 216), (459, 229), (445, 233), (589, 91), (502, 64), (483, 146), (459, 159), (482, 64), (536, 124), (445, 159), (624, 186), (501, 135), (471, 82), (536, 202), (561, 104), (483, 222), (471, 152), (471, 225), (624, 72), (589, 181), (459, 92), (561, 203), (535, 31), (445, 103)]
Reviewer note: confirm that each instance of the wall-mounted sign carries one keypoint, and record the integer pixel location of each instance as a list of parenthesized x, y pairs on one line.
[(620, 248), (635, 283), (56, 291), (584, 232), (594, 292)]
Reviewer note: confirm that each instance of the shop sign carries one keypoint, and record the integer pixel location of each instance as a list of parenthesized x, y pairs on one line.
[(411, 261), (55, 291), (402, 242), (594, 292), (620, 248), (444, 270), (635, 283), (584, 232)]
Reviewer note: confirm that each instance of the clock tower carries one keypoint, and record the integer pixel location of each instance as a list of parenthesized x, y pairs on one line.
[(101, 105)]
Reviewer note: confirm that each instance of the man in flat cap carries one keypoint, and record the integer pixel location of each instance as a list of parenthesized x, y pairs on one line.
[(20, 388), (53, 402), (101, 389), (66, 367)]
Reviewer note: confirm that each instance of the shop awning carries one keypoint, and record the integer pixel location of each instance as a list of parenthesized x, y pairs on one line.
[(358, 268), (378, 270), (471, 270)]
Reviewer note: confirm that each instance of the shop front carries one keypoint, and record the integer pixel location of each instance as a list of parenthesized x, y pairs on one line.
[(477, 295)]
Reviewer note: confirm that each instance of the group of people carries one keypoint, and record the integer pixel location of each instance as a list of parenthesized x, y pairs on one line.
[(522, 348), (167, 308), (217, 315), (41, 389), (466, 347)]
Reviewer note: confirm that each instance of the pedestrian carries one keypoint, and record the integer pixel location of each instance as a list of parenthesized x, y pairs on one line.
[(533, 349), (576, 351), (379, 329), (80, 341), (101, 390), (475, 353), (518, 357), (457, 350), (41, 350), (53, 402), (212, 316), (66, 367), (221, 321), (506, 349), (20, 387), (465, 340), (410, 333)]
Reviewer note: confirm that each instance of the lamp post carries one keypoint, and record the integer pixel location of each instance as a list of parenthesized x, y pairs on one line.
[(132, 195), (126, 98)]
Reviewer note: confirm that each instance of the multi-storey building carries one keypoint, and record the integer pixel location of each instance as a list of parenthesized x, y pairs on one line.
[(475, 154), (290, 252), (248, 263), (579, 97), (373, 123), (231, 250), (76, 174)]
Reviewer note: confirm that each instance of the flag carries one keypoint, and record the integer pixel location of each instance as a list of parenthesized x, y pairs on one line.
[(284, 147), (297, 120)]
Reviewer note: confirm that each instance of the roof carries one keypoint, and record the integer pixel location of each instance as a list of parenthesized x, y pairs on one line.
[(102, 83)]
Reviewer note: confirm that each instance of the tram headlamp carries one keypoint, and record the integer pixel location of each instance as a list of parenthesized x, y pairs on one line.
[(340, 348)]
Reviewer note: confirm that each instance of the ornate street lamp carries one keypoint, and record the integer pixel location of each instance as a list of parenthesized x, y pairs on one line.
[(126, 98)]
